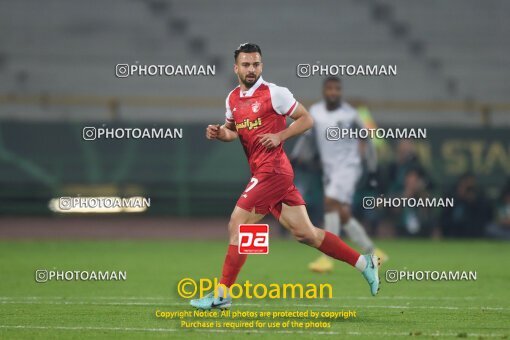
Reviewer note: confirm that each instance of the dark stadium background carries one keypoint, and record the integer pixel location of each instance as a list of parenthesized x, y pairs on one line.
[(57, 76), (57, 62)]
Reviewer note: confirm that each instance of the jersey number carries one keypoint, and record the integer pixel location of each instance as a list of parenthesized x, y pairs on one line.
[(253, 182)]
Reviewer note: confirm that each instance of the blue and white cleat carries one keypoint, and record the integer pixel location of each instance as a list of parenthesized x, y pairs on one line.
[(371, 273), (209, 302)]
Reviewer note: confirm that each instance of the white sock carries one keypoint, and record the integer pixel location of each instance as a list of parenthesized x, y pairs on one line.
[(332, 222), (223, 290), (361, 264), (358, 235)]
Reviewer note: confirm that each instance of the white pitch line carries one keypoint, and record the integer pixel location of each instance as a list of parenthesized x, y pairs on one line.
[(433, 298), (163, 304), (97, 303), (172, 330), (160, 298)]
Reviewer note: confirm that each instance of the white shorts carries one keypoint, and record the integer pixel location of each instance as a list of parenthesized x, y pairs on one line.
[(340, 184)]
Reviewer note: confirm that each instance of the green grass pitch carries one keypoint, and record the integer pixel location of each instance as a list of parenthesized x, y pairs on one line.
[(126, 309)]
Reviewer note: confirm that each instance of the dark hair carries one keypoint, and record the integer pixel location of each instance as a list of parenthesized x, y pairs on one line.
[(332, 78), (247, 48)]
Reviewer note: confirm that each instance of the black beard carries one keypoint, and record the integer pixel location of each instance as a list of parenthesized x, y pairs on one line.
[(333, 106), (249, 85)]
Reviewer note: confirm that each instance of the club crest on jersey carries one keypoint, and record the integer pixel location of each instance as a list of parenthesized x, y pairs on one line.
[(255, 107), (247, 124)]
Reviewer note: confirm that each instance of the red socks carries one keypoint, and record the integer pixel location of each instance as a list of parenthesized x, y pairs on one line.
[(333, 246), (232, 265)]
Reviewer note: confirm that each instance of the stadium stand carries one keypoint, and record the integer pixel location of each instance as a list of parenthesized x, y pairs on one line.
[(69, 51)]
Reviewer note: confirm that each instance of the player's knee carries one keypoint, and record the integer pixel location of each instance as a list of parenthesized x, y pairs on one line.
[(233, 232), (234, 239), (233, 225)]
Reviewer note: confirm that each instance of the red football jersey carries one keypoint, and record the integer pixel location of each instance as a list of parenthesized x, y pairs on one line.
[(262, 109)]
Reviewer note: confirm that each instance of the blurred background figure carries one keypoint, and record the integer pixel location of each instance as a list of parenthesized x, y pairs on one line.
[(405, 160), (59, 75), (306, 162), (471, 212), (341, 161), (413, 221), (501, 226)]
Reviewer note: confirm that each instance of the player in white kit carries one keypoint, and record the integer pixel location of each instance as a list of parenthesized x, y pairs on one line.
[(341, 161)]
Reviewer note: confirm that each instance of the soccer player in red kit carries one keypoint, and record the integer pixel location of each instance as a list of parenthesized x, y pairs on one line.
[(256, 113)]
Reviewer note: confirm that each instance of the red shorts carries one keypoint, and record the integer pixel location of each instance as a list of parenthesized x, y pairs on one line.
[(267, 191)]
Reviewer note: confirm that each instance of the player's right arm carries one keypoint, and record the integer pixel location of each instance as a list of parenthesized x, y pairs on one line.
[(226, 132)]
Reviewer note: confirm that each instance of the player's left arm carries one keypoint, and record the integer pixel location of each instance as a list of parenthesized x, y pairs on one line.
[(285, 104), (302, 122)]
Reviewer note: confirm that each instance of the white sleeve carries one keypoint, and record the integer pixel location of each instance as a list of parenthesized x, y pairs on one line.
[(283, 101), (229, 117)]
